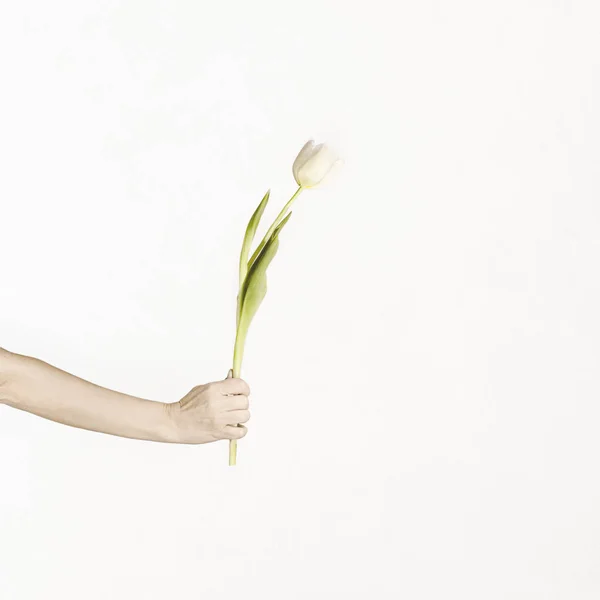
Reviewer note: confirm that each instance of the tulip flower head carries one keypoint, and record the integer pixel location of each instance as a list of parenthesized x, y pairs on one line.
[(313, 163)]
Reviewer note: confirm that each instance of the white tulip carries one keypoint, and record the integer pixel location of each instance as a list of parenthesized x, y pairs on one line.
[(313, 163)]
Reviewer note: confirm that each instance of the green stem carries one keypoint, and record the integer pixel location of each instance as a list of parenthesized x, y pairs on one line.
[(240, 339), (276, 222), (238, 354), (232, 452)]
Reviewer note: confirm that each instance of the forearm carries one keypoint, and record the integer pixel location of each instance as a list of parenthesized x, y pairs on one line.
[(37, 387)]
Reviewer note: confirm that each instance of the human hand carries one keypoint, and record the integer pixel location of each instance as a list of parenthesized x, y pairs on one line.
[(211, 412)]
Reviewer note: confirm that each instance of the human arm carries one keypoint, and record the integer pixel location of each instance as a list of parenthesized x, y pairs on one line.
[(207, 413)]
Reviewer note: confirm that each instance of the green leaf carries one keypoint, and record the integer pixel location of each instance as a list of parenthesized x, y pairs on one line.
[(254, 290), (278, 221), (255, 284), (247, 243), (249, 236), (280, 226)]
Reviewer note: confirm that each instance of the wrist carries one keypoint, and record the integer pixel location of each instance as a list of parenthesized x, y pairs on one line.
[(8, 377), (166, 426), (170, 431), (153, 421)]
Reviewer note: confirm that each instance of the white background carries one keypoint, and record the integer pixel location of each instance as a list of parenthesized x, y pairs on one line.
[(424, 369)]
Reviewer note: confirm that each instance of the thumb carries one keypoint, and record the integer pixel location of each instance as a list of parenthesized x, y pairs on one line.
[(229, 376)]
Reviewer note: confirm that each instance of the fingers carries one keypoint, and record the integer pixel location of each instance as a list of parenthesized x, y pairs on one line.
[(238, 402), (213, 411), (234, 432), (233, 417), (234, 385)]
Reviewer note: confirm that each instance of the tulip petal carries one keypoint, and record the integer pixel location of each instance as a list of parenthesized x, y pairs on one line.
[(303, 156), (310, 168)]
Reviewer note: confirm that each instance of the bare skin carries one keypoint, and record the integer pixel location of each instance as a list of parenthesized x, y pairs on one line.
[(207, 413)]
